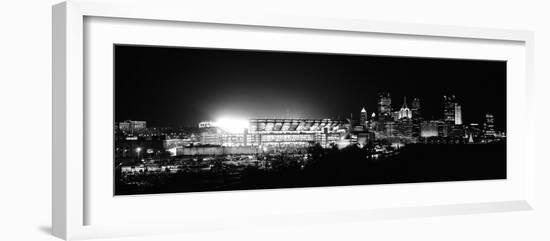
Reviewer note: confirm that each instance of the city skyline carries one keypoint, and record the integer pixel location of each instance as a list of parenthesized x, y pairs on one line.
[(451, 113), (344, 86), (267, 119)]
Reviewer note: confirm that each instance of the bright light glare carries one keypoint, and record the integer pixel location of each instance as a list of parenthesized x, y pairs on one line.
[(231, 125)]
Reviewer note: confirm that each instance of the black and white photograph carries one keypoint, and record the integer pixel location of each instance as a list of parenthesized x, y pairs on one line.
[(275, 120), (190, 119)]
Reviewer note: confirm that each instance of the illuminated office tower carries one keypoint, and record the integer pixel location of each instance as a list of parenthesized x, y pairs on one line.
[(449, 107), (416, 117), (489, 125), (389, 128), (404, 128), (443, 128), (458, 114), (405, 112), (364, 117), (384, 105)]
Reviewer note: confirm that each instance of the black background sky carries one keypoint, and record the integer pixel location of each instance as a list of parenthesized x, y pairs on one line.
[(174, 86)]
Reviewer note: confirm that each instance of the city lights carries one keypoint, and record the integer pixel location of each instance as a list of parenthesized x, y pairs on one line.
[(231, 125), (330, 120)]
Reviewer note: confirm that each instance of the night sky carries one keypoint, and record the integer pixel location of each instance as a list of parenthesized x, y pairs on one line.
[(175, 86)]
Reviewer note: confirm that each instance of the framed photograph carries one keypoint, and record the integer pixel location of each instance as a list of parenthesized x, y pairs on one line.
[(212, 119), (180, 121)]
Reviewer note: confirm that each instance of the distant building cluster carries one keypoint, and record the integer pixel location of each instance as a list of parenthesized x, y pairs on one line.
[(387, 126), (407, 125), (131, 126)]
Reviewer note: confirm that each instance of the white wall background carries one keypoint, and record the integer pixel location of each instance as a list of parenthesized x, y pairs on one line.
[(25, 120)]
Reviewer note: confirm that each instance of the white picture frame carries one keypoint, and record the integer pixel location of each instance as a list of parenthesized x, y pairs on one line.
[(71, 191)]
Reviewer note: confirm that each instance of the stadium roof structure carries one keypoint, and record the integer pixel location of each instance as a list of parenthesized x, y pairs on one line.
[(294, 125)]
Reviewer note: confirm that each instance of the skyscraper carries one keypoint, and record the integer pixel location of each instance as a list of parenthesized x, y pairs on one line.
[(384, 105), (404, 128), (449, 106), (489, 125), (416, 117), (458, 114), (364, 117), (405, 112)]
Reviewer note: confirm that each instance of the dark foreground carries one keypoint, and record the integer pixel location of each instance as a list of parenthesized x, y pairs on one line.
[(350, 166)]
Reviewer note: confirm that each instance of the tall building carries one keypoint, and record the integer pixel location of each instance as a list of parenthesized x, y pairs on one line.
[(416, 117), (489, 125), (449, 106), (372, 123), (364, 117), (405, 112), (458, 114), (443, 128), (415, 108), (384, 105), (404, 128), (389, 128)]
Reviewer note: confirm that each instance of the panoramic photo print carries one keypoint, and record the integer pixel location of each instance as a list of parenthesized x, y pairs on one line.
[(207, 119)]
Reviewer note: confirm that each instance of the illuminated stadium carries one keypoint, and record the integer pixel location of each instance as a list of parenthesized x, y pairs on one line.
[(274, 132)]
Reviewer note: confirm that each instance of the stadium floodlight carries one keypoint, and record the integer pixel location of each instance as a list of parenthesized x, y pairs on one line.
[(231, 125)]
